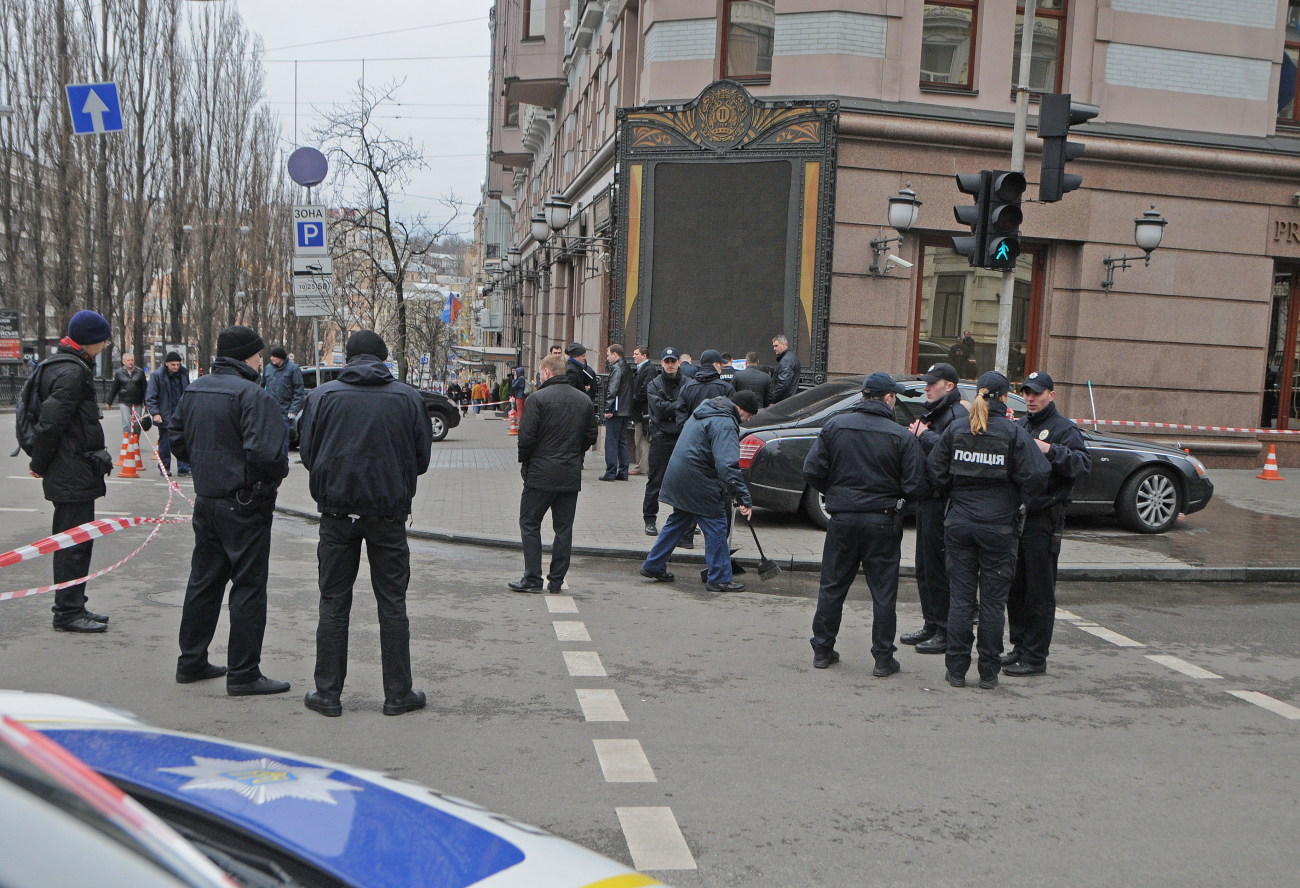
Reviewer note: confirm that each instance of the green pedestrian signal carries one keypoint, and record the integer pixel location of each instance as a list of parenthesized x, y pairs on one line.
[(1002, 247)]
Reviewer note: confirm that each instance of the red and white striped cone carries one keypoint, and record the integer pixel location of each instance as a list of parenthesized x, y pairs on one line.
[(1270, 472), (131, 465), (514, 417), (126, 448)]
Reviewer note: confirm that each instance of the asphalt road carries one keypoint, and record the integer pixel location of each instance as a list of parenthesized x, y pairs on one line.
[(1112, 769)]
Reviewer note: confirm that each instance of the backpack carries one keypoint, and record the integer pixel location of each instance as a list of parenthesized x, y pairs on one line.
[(27, 412)]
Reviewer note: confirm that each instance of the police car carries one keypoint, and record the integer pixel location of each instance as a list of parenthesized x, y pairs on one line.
[(271, 818)]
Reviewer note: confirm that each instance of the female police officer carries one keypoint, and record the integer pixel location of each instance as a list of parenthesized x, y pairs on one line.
[(986, 463)]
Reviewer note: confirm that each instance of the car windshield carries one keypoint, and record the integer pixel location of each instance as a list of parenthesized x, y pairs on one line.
[(807, 403)]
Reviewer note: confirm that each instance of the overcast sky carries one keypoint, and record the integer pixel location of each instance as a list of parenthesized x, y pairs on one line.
[(439, 48)]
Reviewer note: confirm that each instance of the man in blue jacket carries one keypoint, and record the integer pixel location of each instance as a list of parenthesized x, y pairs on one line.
[(161, 399), (365, 438), (283, 380)]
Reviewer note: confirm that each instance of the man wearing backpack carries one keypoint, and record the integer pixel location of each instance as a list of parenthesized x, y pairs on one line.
[(67, 454)]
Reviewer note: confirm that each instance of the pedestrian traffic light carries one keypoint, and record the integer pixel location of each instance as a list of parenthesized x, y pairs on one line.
[(975, 216), (1002, 221), (1056, 114)]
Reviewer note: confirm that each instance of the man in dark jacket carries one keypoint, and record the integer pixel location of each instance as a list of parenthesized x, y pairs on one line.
[(620, 388), (232, 432), (283, 380), (661, 417), (1031, 604), (581, 377), (786, 380), (646, 370), (943, 405), (754, 379), (867, 466), (166, 385), (365, 438), (68, 456), (702, 481), (558, 427), (129, 384), (706, 384)]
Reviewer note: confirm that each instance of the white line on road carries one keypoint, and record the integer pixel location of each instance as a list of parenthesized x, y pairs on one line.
[(584, 663), (654, 839), (600, 705), (624, 761), (561, 604), (1286, 710), (21, 478), (1107, 635), (1065, 615), (6, 509), (112, 514), (1179, 665), (571, 630)]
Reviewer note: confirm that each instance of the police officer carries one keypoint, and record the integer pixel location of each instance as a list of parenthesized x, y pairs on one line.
[(943, 405), (661, 410), (988, 465), (867, 466), (1031, 606)]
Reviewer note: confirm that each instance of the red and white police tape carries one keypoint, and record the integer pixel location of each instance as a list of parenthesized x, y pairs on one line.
[(1140, 424)]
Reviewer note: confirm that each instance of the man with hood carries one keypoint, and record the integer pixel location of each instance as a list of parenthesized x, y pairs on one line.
[(702, 481), (162, 397), (365, 438)]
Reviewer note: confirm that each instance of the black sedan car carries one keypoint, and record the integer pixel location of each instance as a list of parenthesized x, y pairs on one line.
[(443, 415), (1145, 485)]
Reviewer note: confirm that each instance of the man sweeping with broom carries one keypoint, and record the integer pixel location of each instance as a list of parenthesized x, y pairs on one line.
[(869, 467)]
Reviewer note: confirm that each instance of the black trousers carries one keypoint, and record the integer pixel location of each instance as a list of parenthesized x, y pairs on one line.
[(231, 544), (661, 450), (533, 506), (1031, 605), (981, 563), (872, 542), (71, 563), (931, 566), (338, 558)]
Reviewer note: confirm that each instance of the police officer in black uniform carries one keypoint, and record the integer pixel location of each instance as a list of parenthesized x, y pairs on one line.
[(989, 466), (867, 466), (943, 406), (1031, 606), (661, 419)]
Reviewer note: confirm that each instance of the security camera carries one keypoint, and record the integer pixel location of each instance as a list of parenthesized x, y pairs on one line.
[(898, 260)]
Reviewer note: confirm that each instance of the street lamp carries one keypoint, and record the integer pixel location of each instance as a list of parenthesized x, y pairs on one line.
[(904, 209), (1148, 232)]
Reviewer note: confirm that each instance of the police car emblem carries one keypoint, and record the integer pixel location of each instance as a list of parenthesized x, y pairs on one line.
[(262, 780), (1042, 436)]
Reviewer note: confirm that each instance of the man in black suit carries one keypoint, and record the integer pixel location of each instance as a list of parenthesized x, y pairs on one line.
[(754, 379)]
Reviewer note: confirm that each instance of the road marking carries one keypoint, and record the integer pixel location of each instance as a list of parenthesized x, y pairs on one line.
[(654, 839), (112, 514), (1286, 710), (1179, 665), (600, 705), (561, 604), (1107, 635), (6, 509), (584, 663), (571, 630), (22, 478), (1065, 615), (624, 761)]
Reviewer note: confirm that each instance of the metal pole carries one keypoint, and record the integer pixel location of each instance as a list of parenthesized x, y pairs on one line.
[(1007, 295), (315, 345)]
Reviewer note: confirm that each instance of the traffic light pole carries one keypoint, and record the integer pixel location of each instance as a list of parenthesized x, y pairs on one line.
[(1007, 295)]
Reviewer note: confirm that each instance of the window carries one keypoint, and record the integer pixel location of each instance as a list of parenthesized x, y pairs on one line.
[(512, 114), (747, 38), (1287, 112), (534, 19), (1048, 49), (948, 43)]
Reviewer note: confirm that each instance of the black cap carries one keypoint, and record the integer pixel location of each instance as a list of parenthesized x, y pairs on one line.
[(995, 382), (172, 356), (239, 342), (575, 350), (279, 351), (747, 401), (882, 384), (366, 342), (938, 372), (1038, 381), (711, 356), (670, 353)]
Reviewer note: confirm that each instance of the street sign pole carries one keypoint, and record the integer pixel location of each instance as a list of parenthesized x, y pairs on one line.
[(1007, 295)]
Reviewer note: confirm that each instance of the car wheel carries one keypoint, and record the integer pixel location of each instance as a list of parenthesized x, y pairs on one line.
[(814, 506), (439, 425), (1150, 501)]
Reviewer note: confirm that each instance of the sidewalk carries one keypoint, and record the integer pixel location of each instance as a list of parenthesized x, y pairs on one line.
[(471, 495)]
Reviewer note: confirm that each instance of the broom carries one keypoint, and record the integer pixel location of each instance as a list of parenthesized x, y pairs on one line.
[(767, 569)]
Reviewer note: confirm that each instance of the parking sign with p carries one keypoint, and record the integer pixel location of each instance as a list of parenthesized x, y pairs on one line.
[(310, 231)]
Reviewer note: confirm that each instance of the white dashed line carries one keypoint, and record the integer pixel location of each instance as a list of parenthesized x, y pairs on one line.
[(624, 761), (21, 478), (571, 630), (1062, 614), (561, 604), (1179, 665), (654, 839), (600, 705), (1286, 710), (1107, 635), (6, 509), (584, 663)]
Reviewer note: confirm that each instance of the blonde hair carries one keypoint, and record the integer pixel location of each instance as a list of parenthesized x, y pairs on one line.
[(554, 363), (979, 411)]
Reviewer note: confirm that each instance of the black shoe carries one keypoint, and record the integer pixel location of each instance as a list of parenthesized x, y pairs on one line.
[(822, 661), (886, 668), (412, 701), (662, 576), (957, 681), (988, 682), (330, 707), (525, 585), (262, 686), (208, 671), (183, 473), (733, 586), (79, 624), (687, 543), (1023, 668), (620, 477), (651, 529), (1012, 656), (98, 618), (555, 586), (606, 478), (916, 637), (938, 644)]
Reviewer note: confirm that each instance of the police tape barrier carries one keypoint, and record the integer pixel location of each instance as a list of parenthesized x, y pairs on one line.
[(1139, 424)]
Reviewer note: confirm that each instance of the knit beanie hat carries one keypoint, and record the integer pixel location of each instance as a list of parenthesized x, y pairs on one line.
[(172, 356), (280, 352), (239, 342), (88, 327), (747, 401), (366, 342)]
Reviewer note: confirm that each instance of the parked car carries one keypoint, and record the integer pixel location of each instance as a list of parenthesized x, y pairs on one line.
[(443, 415), (271, 818), (1143, 484)]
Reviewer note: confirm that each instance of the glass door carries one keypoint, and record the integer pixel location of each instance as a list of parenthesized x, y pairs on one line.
[(1281, 403)]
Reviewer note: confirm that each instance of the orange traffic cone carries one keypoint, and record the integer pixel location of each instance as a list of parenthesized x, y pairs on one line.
[(131, 464), (126, 448), (1270, 472), (514, 418)]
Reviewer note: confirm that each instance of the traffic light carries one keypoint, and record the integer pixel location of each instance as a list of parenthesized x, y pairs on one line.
[(1056, 114), (976, 216), (1002, 221)]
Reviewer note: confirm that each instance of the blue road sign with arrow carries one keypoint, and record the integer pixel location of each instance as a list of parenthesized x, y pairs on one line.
[(94, 108)]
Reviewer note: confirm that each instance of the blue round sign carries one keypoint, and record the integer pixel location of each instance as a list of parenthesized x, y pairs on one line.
[(308, 167)]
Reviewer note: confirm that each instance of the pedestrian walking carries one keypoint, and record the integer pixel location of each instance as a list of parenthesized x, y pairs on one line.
[(234, 434), (702, 481), (519, 388), (989, 466), (581, 377), (785, 382), (68, 455), (365, 439), (620, 388), (661, 408), (646, 370), (456, 395), (162, 397), (754, 379), (283, 381), (868, 468), (478, 394), (129, 384), (1031, 604), (943, 406), (557, 429)]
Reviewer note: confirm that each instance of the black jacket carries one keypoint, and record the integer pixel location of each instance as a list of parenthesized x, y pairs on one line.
[(557, 428), (164, 392), (230, 431), (645, 374), (864, 461), (130, 386), (703, 386), (786, 381), (752, 379), (1068, 456), (364, 438), (939, 415), (987, 476), (703, 476), (661, 404), (69, 430), (620, 390), (582, 378)]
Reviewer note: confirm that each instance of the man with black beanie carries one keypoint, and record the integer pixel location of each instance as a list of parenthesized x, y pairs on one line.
[(162, 396), (365, 438), (233, 435)]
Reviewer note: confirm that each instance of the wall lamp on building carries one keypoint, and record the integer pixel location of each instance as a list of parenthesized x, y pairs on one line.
[(554, 217), (517, 268), (1148, 232), (904, 209)]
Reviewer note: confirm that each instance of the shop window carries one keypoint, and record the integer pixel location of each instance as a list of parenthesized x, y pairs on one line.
[(535, 19), (948, 43), (1048, 49), (1287, 110), (749, 29)]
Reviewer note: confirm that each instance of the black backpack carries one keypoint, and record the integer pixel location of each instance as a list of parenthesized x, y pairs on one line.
[(27, 412)]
